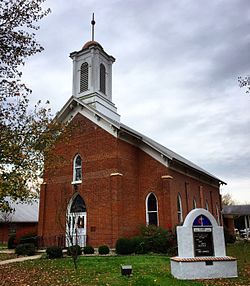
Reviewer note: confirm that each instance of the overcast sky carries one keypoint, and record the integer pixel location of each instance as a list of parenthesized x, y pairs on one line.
[(175, 75)]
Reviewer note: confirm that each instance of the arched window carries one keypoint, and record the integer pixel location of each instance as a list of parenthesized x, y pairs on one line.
[(102, 78), (77, 171), (151, 209), (194, 204), (78, 205), (179, 209), (84, 77), (218, 214)]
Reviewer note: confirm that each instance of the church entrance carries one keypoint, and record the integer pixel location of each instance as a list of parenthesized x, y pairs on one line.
[(76, 222)]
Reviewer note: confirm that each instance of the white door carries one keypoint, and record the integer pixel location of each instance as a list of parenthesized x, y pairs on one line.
[(76, 229)]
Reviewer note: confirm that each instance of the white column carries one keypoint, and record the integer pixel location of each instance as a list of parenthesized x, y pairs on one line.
[(246, 225), (248, 218)]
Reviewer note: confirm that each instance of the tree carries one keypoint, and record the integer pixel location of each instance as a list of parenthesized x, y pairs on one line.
[(227, 200), (244, 82), (17, 39), (6, 216), (26, 134), (71, 235)]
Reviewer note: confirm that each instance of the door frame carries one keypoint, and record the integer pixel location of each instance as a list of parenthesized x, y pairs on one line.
[(80, 235)]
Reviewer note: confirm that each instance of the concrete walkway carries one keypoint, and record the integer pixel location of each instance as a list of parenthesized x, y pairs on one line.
[(20, 259), (7, 251)]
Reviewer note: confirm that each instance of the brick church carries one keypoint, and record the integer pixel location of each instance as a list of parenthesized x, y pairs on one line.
[(114, 179)]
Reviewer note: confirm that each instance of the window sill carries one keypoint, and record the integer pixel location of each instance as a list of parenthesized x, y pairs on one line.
[(76, 182)]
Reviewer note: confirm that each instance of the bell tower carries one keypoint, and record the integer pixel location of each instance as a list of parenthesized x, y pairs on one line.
[(92, 77)]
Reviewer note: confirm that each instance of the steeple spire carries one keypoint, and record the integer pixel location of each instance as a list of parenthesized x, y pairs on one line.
[(92, 77), (93, 27)]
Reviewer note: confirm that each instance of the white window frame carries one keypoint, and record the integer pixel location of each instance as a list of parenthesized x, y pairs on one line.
[(217, 214), (179, 211), (74, 170), (148, 212)]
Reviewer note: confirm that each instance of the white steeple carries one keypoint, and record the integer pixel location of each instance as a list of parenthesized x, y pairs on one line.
[(92, 77)]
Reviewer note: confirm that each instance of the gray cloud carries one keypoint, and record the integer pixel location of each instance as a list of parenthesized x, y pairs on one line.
[(175, 78)]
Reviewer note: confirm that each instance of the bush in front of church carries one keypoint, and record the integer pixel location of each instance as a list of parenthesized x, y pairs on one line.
[(103, 249), (157, 239), (74, 250), (54, 252), (124, 246), (29, 238), (139, 245), (88, 249), (25, 249)]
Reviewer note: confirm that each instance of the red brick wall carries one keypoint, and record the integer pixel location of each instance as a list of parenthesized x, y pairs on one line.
[(189, 189), (98, 150), (26, 228), (4, 232), (115, 203), (21, 229)]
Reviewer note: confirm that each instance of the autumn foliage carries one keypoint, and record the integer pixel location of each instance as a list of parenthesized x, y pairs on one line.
[(27, 133)]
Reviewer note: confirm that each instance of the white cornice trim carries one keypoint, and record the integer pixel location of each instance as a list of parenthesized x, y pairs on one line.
[(75, 106)]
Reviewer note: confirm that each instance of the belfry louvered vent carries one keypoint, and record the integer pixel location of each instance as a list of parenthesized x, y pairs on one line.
[(84, 77), (102, 78)]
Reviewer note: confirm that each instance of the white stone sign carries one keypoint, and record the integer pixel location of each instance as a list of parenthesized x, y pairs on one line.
[(201, 249)]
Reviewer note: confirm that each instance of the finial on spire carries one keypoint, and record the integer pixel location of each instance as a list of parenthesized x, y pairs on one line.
[(93, 26)]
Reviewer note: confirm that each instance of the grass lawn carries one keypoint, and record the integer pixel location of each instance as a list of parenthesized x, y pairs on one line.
[(6, 256), (242, 252), (147, 270), (3, 246)]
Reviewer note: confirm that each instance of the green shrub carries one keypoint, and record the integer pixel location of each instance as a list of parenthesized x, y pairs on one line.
[(103, 249), (12, 242), (29, 238), (25, 249), (124, 246), (139, 245), (229, 237), (157, 239), (74, 250), (88, 250), (54, 252), (173, 251), (148, 230)]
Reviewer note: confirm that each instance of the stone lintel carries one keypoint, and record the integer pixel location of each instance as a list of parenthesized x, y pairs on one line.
[(115, 174), (166, 177)]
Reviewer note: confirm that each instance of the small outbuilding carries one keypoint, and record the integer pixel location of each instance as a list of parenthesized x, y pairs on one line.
[(21, 221), (236, 217)]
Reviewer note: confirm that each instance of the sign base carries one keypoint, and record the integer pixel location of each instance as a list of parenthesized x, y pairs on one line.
[(203, 268)]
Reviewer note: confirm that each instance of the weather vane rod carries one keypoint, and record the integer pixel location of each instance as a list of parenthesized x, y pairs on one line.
[(93, 27)]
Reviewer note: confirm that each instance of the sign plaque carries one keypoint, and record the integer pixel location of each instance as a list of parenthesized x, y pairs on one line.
[(203, 241)]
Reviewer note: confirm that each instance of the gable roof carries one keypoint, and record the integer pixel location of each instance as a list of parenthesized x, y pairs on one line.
[(23, 212), (236, 210), (171, 155), (167, 152)]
